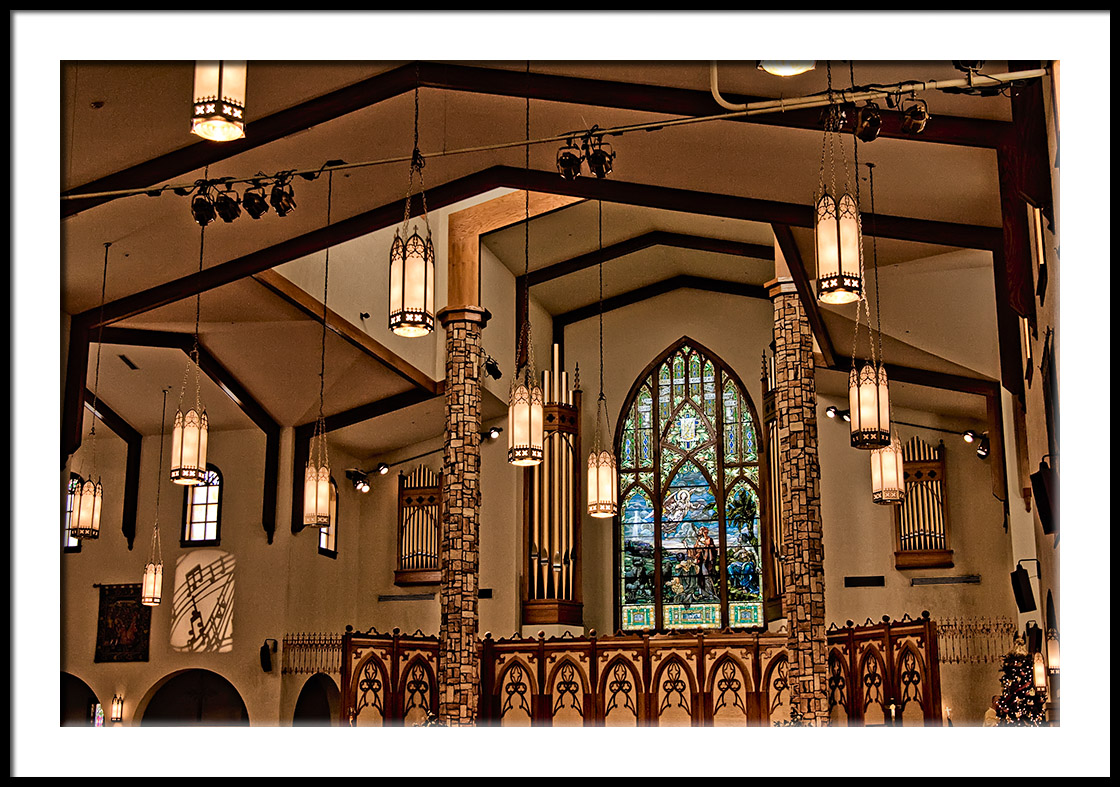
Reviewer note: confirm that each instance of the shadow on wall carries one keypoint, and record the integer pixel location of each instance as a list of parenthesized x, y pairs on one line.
[(318, 703), (196, 697)]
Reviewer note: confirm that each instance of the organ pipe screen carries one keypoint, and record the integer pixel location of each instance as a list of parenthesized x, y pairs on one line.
[(418, 504), (922, 532)]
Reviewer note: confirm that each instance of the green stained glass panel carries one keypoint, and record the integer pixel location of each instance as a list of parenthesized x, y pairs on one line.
[(638, 566), (710, 405), (646, 479), (678, 380), (694, 381), (694, 616), (664, 392), (688, 429)]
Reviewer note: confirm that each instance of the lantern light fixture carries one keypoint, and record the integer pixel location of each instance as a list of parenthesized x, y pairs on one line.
[(888, 485), (602, 467), (317, 475), (190, 429), (412, 258), (219, 100), (838, 233), (116, 712), (151, 588), (1053, 652), (1039, 672), (526, 399), (85, 514), (786, 68)]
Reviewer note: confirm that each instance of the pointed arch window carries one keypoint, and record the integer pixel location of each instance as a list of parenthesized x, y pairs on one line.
[(689, 535), (202, 510)]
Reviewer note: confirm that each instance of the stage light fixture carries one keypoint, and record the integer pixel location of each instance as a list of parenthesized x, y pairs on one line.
[(228, 205), (569, 161), (382, 468), (971, 436), (491, 368), (359, 478), (915, 117), (202, 207), (255, 203), (282, 198), (494, 432), (984, 448), (868, 122), (599, 155)]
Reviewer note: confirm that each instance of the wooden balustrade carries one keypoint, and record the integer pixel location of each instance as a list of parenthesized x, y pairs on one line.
[(879, 674)]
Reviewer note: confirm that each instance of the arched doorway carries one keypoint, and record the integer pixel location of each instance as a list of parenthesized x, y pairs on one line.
[(317, 705), (195, 697), (78, 703)]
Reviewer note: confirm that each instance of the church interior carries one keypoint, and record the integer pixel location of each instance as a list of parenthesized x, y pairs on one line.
[(560, 393)]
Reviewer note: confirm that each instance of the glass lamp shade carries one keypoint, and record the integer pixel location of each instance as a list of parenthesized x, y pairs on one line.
[(526, 423), (888, 486), (116, 712), (1039, 672), (786, 68), (151, 590), (219, 100), (317, 495), (85, 516), (1053, 651), (188, 447), (838, 240), (412, 285), (602, 484), (869, 405)]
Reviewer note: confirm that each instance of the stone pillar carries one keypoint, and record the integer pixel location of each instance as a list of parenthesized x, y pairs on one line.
[(799, 470), (459, 670)]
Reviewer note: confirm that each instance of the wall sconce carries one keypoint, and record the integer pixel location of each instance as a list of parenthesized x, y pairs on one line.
[(494, 432), (116, 712)]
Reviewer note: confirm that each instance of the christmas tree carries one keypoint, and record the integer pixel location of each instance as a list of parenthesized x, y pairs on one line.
[(1021, 704)]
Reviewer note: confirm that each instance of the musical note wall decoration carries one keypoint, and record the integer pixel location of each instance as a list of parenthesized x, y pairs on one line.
[(202, 607)]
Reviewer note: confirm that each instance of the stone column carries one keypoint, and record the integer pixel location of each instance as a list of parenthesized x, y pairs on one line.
[(799, 470), (459, 670)]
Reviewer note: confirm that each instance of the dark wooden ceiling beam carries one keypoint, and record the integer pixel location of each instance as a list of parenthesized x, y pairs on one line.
[(642, 242), (640, 194), (491, 81), (801, 279)]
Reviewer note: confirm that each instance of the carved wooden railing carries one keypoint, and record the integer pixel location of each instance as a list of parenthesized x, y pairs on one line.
[(878, 674)]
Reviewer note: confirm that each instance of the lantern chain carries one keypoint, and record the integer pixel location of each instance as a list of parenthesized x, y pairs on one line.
[(526, 338), (97, 366), (321, 424), (875, 262), (601, 411), (416, 165), (156, 546)]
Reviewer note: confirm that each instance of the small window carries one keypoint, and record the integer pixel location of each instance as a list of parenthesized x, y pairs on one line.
[(202, 511), (329, 534), (69, 543)]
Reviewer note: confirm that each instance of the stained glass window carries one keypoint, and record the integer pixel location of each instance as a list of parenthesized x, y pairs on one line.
[(690, 553), (202, 511)]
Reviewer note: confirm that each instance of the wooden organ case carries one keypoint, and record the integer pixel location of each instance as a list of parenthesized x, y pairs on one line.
[(552, 571)]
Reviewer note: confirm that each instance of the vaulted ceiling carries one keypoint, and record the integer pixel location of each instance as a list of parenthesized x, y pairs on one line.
[(694, 205)]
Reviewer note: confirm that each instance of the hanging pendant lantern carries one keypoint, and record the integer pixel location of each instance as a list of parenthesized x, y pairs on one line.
[(219, 100), (85, 516), (412, 266), (526, 399), (602, 467), (412, 260), (151, 588), (888, 485), (317, 482), (188, 446), (869, 406), (839, 241)]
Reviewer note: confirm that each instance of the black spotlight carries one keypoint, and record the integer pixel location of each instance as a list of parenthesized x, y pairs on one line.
[(600, 157), (228, 205), (283, 199), (915, 117), (202, 208), (494, 432), (359, 479), (492, 369), (569, 162), (868, 122), (984, 448), (255, 203), (382, 468), (970, 436)]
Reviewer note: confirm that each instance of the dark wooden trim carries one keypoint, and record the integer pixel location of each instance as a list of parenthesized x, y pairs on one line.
[(233, 389), (701, 203), (77, 370), (981, 386), (783, 236), (133, 440), (943, 129), (648, 240), (563, 320)]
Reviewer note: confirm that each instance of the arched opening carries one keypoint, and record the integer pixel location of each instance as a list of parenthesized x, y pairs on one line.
[(78, 704), (195, 697), (317, 705)]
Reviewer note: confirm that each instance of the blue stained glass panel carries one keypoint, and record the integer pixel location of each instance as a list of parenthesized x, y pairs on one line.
[(638, 566)]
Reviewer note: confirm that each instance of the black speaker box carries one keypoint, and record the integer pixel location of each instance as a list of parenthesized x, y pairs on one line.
[(1021, 584), (1044, 486), (266, 658)]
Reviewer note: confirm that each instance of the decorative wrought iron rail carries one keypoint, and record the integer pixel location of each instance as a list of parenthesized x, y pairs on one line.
[(307, 654), (975, 640)]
